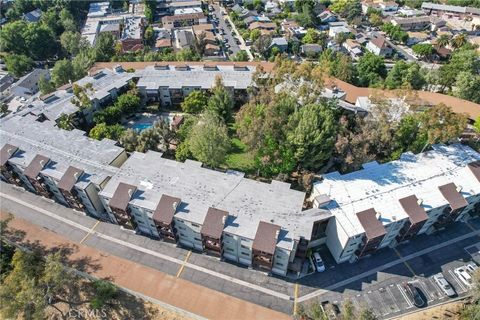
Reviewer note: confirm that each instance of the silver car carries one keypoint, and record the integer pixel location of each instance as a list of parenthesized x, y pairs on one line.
[(444, 285)]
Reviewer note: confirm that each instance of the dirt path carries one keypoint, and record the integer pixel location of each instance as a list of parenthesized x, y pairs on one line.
[(173, 291)]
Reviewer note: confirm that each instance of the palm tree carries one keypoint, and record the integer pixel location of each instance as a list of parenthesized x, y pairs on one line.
[(443, 41), (459, 40)]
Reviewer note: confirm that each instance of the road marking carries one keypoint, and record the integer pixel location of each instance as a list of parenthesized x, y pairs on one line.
[(470, 226), (427, 292), (404, 262), (148, 251), (460, 284), (89, 232), (385, 310), (440, 293), (396, 308), (295, 297), (183, 264), (404, 294)]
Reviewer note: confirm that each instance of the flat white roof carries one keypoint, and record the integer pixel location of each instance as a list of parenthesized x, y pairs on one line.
[(380, 186)]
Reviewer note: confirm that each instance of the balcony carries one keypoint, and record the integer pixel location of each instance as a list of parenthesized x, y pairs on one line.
[(212, 245), (263, 261)]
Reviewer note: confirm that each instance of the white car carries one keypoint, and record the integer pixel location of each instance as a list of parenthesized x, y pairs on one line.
[(444, 285), (464, 276), (318, 262)]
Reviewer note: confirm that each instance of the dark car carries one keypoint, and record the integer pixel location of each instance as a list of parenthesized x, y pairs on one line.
[(413, 293)]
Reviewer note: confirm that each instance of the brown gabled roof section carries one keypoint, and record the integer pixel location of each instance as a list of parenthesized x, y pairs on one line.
[(266, 237), (454, 198), (414, 211), (368, 219), (36, 165), (475, 169), (69, 178), (166, 209), (8, 150), (122, 196), (214, 223)]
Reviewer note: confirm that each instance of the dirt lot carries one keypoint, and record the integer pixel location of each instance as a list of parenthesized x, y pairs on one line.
[(445, 311)]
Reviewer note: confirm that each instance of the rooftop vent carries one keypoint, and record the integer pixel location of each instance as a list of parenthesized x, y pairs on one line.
[(420, 202), (378, 215), (459, 189)]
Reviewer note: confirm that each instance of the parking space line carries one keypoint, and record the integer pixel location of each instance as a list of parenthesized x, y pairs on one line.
[(410, 304), (460, 284), (183, 264), (396, 308), (371, 304), (438, 290), (295, 296), (404, 262), (427, 292), (384, 309), (89, 232)]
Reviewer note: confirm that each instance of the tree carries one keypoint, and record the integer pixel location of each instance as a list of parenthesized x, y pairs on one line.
[(67, 20), (149, 36), (375, 19), (12, 39), (221, 101), (105, 291), (461, 60), (45, 85), (255, 34), (371, 69), (72, 42), (62, 72), (262, 44), (405, 75), (101, 131), (443, 40), (128, 103), (66, 121), (195, 102), (18, 64), (40, 41), (459, 40), (129, 140), (241, 56), (467, 86), (208, 141), (104, 46), (150, 7), (312, 133), (312, 36), (477, 125), (424, 50)]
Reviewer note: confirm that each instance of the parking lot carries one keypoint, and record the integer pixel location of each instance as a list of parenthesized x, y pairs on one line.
[(227, 34)]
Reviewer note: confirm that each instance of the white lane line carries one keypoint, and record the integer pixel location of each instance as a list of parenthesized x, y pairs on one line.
[(385, 310), (438, 290), (387, 265), (460, 284), (147, 251), (396, 307), (410, 304)]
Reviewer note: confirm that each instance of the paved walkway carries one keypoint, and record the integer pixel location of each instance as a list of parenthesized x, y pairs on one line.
[(177, 292)]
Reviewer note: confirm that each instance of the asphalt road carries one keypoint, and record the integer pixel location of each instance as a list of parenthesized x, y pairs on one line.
[(365, 283), (228, 31)]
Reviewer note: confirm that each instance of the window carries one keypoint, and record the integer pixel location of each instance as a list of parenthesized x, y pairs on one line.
[(181, 221), (230, 249), (197, 239), (182, 234), (195, 225), (245, 254), (227, 235), (140, 221), (279, 264), (244, 247), (182, 228)]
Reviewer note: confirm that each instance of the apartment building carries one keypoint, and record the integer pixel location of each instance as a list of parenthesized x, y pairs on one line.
[(385, 204), (183, 20), (222, 213), (66, 166), (458, 11), (170, 84), (418, 23)]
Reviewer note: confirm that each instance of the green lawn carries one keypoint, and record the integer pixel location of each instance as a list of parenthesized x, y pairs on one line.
[(238, 158)]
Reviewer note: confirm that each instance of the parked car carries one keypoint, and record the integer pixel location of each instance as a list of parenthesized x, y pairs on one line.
[(444, 285), (318, 262), (227, 45), (464, 275), (413, 293)]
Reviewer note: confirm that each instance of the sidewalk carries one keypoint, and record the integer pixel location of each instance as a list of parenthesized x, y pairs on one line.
[(177, 292)]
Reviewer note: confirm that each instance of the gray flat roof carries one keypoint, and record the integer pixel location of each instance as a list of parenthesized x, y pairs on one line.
[(64, 148), (247, 201)]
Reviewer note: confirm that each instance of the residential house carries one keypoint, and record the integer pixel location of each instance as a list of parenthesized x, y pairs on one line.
[(291, 29), (27, 85), (379, 46), (184, 39), (334, 31), (353, 48), (112, 28), (280, 43), (33, 16), (311, 49), (414, 23), (327, 16), (264, 27), (457, 11), (417, 37), (183, 20)]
